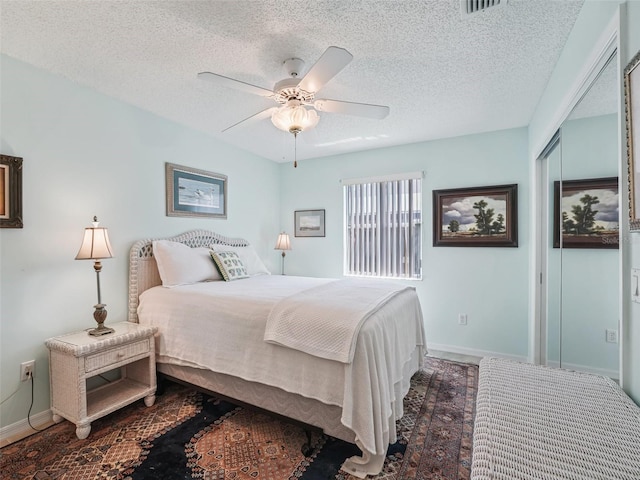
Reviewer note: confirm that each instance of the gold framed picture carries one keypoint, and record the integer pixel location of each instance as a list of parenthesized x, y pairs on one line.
[(10, 192), (632, 104)]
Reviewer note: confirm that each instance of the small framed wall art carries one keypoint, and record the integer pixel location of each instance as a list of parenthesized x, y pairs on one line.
[(309, 223), (195, 193), (476, 217), (10, 192)]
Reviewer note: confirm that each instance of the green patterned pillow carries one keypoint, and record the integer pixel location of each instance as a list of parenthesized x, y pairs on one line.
[(230, 265)]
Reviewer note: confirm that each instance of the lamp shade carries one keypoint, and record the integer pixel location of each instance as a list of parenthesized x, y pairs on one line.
[(95, 244), (295, 117), (283, 242)]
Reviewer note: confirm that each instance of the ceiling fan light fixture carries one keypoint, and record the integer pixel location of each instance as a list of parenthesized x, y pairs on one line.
[(295, 117)]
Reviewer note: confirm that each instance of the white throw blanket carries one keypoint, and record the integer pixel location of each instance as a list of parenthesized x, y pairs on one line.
[(324, 321)]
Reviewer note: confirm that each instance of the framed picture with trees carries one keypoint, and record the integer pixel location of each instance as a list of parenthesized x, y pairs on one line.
[(586, 211), (476, 217)]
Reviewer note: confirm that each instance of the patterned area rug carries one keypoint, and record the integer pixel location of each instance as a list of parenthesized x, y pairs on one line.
[(190, 435)]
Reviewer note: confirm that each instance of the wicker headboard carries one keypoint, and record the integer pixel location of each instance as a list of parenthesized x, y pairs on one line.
[(143, 271)]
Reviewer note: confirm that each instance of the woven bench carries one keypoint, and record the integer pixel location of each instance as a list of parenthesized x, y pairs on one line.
[(536, 422)]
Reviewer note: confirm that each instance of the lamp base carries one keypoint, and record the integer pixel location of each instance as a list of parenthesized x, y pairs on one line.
[(100, 315), (101, 330)]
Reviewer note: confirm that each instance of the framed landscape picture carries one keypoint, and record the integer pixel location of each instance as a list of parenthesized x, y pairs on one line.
[(195, 193), (476, 217), (587, 213), (632, 104), (10, 192), (309, 223)]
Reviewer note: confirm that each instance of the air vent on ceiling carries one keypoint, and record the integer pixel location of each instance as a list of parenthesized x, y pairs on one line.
[(474, 6)]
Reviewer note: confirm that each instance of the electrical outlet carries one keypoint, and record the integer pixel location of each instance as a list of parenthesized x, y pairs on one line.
[(612, 336), (462, 319), (27, 370)]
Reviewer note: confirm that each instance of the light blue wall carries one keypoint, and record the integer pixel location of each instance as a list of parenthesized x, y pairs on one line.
[(488, 284), (86, 154)]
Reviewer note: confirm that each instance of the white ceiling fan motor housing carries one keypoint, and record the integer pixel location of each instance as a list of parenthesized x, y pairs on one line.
[(293, 66)]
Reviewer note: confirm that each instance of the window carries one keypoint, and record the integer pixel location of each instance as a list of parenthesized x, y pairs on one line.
[(383, 227)]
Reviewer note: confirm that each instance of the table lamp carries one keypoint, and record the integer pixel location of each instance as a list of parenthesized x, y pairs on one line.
[(283, 244), (96, 246)]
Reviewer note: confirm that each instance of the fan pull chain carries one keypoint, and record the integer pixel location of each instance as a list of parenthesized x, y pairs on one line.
[(295, 149)]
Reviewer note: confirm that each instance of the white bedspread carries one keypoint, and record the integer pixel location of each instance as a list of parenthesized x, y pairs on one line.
[(220, 326), (325, 320)]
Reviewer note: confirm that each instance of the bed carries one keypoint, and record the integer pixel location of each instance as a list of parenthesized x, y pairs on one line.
[(221, 336)]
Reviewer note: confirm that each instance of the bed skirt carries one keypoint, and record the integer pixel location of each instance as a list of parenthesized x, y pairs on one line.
[(297, 407)]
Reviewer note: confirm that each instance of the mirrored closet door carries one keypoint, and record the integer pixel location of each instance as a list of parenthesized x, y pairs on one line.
[(580, 234)]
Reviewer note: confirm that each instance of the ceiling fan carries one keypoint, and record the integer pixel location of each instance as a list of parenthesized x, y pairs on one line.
[(298, 105)]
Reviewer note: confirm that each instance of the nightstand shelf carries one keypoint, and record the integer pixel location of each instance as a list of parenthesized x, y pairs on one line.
[(77, 357), (107, 398)]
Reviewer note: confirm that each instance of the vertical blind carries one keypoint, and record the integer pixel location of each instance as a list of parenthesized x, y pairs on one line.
[(383, 223)]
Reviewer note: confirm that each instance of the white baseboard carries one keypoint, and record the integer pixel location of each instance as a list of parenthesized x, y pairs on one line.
[(474, 352), (19, 430), (583, 368), (484, 353)]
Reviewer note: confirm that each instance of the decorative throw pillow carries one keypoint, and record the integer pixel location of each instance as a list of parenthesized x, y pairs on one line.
[(249, 258), (230, 265), (179, 264)]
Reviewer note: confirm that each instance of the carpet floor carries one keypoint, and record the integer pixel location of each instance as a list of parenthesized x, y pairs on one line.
[(191, 435)]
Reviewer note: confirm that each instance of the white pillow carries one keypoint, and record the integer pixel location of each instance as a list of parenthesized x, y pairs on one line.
[(179, 264), (249, 258)]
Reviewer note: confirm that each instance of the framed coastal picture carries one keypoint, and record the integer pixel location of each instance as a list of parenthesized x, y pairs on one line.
[(632, 108), (309, 223), (476, 217), (10, 192), (195, 193), (586, 211)]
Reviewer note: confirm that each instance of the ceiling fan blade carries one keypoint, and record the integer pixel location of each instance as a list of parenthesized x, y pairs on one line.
[(236, 84), (350, 108), (254, 118), (328, 65)]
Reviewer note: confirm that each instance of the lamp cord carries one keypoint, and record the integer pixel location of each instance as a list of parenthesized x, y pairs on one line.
[(10, 396), (30, 407)]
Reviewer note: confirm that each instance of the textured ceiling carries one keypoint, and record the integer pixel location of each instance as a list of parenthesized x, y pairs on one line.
[(443, 74)]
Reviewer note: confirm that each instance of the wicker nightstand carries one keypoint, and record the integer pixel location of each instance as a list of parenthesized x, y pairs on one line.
[(75, 357)]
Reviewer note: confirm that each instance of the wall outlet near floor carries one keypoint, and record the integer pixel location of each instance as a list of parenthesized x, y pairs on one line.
[(612, 336), (27, 370), (462, 319)]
